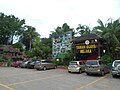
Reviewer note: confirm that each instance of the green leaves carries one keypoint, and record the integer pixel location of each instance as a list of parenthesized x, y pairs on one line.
[(61, 30), (109, 32), (83, 29), (29, 36), (10, 26)]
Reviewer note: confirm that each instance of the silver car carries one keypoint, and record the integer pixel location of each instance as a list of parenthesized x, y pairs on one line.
[(116, 68), (96, 67), (44, 64), (76, 66)]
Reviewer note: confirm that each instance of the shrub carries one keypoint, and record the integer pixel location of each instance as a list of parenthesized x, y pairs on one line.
[(9, 61), (2, 59), (62, 62), (107, 58)]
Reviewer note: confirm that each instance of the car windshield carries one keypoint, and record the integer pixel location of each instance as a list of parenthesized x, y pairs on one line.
[(116, 63), (33, 62), (26, 62), (73, 63), (91, 62)]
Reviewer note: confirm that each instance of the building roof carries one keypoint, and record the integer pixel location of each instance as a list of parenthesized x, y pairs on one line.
[(86, 37)]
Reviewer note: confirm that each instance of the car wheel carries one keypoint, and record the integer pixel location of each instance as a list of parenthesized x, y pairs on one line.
[(44, 68), (55, 67), (37, 69), (80, 71), (87, 73), (102, 73), (113, 76), (69, 71)]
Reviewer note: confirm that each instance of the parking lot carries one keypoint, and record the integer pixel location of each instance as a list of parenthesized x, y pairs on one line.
[(55, 79)]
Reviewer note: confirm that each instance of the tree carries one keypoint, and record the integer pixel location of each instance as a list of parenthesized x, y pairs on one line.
[(42, 48), (46, 42), (83, 29), (18, 45), (29, 35), (47, 46), (109, 32), (61, 30), (10, 27)]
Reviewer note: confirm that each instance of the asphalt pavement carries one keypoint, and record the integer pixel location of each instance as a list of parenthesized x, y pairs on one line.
[(55, 79)]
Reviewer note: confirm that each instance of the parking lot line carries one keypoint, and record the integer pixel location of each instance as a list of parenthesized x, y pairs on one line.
[(3, 85), (36, 79), (91, 83)]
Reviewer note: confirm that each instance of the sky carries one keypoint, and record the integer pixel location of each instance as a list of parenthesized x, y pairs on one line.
[(46, 15)]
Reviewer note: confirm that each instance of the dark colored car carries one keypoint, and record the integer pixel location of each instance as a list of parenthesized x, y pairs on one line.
[(31, 64), (24, 64), (96, 67)]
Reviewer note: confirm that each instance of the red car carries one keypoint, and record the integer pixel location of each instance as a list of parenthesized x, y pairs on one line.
[(17, 63)]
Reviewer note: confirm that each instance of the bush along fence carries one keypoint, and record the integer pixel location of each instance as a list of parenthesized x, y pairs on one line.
[(5, 62)]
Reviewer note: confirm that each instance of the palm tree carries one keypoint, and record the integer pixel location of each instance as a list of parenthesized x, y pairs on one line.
[(83, 29), (108, 32), (29, 36), (61, 30)]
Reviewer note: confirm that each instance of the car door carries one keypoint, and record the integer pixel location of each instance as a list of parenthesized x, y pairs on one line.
[(48, 64), (51, 65)]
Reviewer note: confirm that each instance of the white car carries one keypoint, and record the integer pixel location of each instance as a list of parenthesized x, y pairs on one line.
[(76, 66), (116, 68)]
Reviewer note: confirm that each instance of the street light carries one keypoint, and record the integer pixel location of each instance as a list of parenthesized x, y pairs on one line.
[(104, 51)]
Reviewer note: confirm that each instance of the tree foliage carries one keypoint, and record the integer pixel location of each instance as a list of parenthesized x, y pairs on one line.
[(29, 36), (109, 32), (18, 45), (61, 30), (10, 27), (41, 48), (83, 29)]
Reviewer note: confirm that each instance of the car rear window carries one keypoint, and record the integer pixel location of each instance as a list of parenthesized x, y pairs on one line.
[(73, 63), (92, 62)]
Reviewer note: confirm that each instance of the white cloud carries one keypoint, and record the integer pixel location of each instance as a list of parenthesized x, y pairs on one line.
[(45, 15)]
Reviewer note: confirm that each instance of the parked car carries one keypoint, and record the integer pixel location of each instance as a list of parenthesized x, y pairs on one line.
[(31, 64), (96, 67), (116, 68), (24, 64), (17, 63), (76, 66), (44, 64)]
